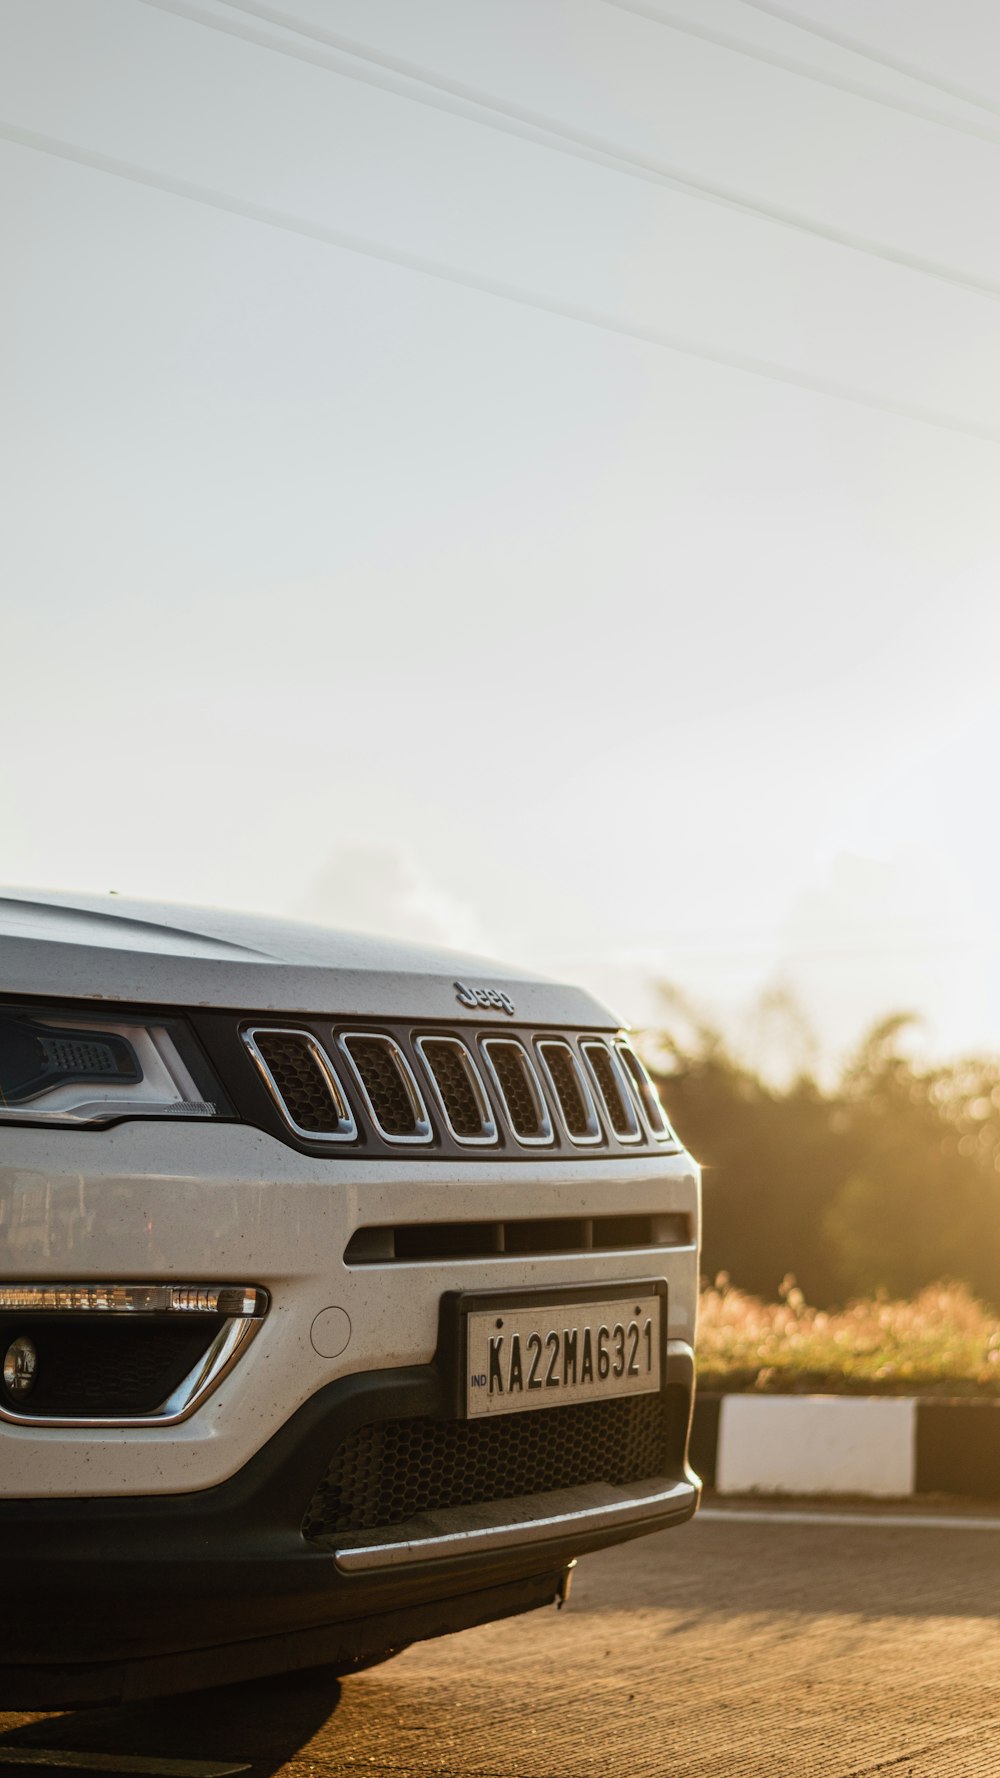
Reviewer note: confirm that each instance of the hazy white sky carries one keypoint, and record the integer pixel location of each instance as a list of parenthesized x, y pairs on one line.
[(517, 470)]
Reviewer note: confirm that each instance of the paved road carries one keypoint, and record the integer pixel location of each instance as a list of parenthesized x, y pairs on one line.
[(728, 1649)]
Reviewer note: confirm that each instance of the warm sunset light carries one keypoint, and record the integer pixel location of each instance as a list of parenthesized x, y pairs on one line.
[(644, 627), (499, 913)]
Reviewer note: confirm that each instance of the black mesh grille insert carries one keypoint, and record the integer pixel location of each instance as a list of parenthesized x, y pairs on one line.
[(511, 1066), (386, 1472), (385, 1085), (451, 1072), (300, 1080), (622, 1121), (569, 1091), (95, 1365)]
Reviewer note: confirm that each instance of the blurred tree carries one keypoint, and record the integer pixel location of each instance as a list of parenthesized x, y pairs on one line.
[(922, 1200), (888, 1180)]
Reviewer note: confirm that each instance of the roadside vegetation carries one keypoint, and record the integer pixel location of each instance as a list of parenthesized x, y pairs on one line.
[(861, 1192), (877, 1183), (942, 1342)]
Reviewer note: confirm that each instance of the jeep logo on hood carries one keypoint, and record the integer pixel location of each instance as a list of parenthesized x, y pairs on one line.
[(484, 997)]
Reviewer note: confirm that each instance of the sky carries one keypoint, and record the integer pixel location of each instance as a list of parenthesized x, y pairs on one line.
[(516, 472)]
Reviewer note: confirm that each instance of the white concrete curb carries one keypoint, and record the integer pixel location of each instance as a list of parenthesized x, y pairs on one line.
[(816, 1444)]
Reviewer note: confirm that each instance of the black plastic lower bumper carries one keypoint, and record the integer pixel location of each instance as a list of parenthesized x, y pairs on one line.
[(124, 1597)]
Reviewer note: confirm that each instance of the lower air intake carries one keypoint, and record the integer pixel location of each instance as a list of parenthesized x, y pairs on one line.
[(387, 1472), (99, 1366)]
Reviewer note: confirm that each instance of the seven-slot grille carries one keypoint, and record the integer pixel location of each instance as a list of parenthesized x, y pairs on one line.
[(519, 1091)]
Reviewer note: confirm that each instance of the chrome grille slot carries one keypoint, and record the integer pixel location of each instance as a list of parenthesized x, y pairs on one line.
[(613, 1088), (390, 1091), (459, 1089), (302, 1082), (520, 1090), (649, 1098), (572, 1092)]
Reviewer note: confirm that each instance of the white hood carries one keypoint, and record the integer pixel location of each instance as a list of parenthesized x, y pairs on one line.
[(97, 947)]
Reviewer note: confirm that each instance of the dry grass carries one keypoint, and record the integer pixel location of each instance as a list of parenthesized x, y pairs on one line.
[(944, 1342)]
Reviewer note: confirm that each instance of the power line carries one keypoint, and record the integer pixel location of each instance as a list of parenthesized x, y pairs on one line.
[(788, 64), (578, 312), (789, 17), (457, 99)]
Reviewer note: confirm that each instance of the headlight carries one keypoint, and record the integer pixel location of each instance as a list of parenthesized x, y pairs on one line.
[(61, 1068)]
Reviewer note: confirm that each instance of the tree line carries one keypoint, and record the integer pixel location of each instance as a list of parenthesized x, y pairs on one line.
[(886, 1179)]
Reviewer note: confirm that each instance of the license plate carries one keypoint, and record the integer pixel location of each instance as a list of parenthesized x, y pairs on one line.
[(549, 1354)]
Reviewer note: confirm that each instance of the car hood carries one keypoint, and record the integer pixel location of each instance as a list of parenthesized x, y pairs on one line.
[(93, 947)]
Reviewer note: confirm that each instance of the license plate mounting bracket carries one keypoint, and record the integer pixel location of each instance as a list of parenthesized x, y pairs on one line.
[(457, 1305)]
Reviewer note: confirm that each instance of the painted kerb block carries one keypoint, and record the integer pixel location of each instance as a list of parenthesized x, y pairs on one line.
[(816, 1445)]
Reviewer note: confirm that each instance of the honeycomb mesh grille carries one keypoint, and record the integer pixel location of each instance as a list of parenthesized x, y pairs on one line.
[(386, 1085), (448, 1065), (93, 1365), (569, 1090), (465, 1089), (300, 1081), (385, 1473), (622, 1122), (511, 1067)]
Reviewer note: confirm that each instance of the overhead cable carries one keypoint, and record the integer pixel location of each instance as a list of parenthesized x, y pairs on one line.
[(512, 293), (840, 82), (465, 101), (951, 90)]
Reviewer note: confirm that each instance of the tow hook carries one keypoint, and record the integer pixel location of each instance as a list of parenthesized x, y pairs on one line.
[(565, 1582)]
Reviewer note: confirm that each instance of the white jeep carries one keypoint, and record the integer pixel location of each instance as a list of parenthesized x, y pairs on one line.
[(347, 1296)]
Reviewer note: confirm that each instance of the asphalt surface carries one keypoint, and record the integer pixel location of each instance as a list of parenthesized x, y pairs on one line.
[(733, 1647)]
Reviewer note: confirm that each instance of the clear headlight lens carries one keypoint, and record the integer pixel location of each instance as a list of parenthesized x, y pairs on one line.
[(60, 1068)]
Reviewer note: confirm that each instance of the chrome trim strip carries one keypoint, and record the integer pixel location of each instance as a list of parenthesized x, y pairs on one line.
[(612, 1509), (617, 1066), (228, 1345), (547, 1133), (594, 1133), (425, 1131), (491, 1134), (346, 1130)]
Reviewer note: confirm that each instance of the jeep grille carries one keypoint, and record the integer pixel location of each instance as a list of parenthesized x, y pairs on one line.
[(525, 1091)]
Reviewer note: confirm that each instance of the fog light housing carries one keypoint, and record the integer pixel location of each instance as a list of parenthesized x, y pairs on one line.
[(20, 1367)]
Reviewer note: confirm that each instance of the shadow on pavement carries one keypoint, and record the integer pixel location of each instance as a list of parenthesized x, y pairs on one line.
[(262, 1722)]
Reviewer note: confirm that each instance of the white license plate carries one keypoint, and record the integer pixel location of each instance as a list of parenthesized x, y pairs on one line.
[(555, 1353)]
